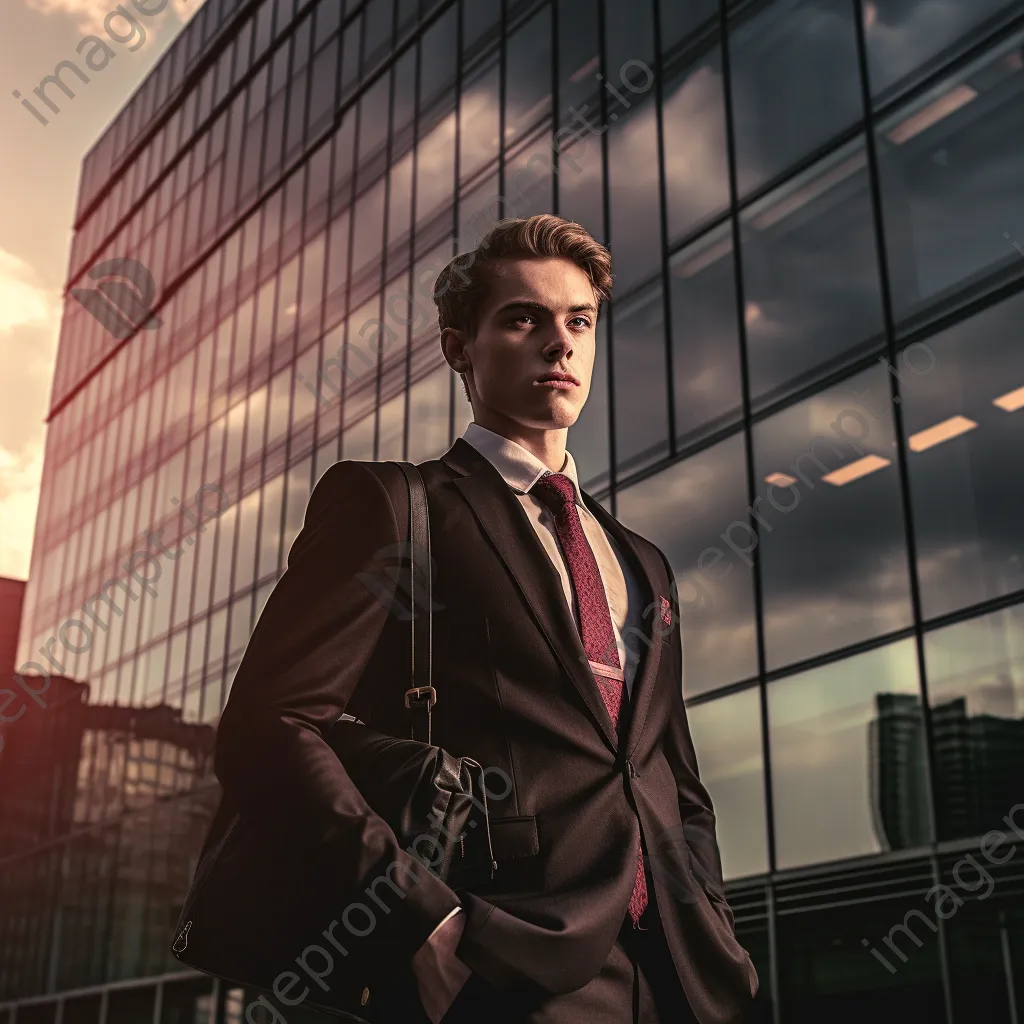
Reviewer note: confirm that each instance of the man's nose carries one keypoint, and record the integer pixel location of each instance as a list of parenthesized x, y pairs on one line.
[(559, 344)]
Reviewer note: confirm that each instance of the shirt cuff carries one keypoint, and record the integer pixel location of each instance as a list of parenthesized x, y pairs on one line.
[(451, 913)]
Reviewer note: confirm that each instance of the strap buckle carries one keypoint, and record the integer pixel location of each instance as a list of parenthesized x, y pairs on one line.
[(419, 693)]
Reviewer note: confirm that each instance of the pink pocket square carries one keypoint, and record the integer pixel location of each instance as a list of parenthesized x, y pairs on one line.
[(666, 611)]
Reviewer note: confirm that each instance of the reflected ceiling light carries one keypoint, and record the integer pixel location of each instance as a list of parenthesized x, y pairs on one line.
[(703, 258), (753, 313), (932, 114), (585, 71), (1011, 401), (780, 479), (292, 309), (870, 14), (944, 431), (528, 116), (855, 470), (799, 193)]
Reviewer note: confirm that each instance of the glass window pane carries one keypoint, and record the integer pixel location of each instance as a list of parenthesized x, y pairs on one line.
[(579, 63), (248, 524), (377, 33), (634, 187), (429, 403), (528, 75), (902, 35), (705, 336), (400, 210), (83, 1010), (963, 407), (279, 406), (373, 120), (811, 275), (435, 168), (392, 427), (270, 527), (629, 36), (403, 106), (357, 439), (225, 548), (238, 632), (679, 20), (479, 211), (297, 491), (438, 60), (639, 376), (129, 1006), (727, 738), (528, 180), (827, 974), (368, 231), (581, 194), (795, 84), (479, 116), (185, 1002), (847, 756), (976, 954), (832, 544), (976, 691), (480, 18), (951, 165), (696, 153), (685, 510)]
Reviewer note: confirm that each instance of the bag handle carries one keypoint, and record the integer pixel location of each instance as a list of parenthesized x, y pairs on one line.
[(421, 696)]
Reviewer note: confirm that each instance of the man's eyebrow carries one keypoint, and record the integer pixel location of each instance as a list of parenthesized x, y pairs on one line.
[(586, 307)]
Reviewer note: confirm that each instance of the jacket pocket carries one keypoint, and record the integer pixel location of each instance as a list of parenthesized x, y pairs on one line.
[(514, 837)]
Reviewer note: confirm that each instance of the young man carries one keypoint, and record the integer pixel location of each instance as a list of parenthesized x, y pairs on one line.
[(557, 660)]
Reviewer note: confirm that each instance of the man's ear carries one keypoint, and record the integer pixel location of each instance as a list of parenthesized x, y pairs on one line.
[(453, 343)]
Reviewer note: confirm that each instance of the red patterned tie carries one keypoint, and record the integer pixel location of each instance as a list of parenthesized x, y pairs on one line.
[(558, 493)]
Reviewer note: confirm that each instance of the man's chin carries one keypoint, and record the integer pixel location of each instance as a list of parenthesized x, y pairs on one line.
[(558, 410)]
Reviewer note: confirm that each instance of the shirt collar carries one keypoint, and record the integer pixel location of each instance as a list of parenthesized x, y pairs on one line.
[(519, 468)]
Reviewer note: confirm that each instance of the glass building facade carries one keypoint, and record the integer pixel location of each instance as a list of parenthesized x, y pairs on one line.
[(809, 393)]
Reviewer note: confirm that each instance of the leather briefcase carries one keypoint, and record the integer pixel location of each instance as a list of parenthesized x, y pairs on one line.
[(253, 908)]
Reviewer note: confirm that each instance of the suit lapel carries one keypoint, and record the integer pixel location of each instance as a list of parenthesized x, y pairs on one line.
[(504, 521), (647, 646)]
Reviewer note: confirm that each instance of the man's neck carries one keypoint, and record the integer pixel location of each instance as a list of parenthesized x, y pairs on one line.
[(546, 445)]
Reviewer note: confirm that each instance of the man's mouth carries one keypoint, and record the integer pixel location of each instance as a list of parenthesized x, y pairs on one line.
[(561, 381)]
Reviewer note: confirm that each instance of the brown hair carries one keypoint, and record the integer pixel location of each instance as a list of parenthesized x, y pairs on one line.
[(462, 286)]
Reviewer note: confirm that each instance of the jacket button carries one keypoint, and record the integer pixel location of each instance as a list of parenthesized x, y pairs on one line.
[(365, 997)]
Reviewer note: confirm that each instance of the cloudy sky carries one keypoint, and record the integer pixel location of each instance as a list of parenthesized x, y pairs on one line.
[(38, 188)]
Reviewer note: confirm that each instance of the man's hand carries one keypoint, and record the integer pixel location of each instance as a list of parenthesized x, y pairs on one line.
[(439, 973)]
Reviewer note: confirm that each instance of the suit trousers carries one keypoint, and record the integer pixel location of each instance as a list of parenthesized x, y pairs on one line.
[(638, 984)]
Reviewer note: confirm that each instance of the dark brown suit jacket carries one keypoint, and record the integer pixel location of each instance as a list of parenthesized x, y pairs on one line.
[(514, 692)]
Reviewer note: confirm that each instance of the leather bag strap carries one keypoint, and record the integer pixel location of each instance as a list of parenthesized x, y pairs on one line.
[(421, 696)]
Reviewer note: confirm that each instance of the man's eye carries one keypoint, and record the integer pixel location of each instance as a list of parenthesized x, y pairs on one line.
[(580, 321), (525, 316)]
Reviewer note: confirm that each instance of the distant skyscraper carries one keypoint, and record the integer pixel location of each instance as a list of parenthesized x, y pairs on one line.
[(899, 784)]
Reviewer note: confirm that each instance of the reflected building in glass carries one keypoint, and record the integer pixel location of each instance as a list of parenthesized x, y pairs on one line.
[(809, 393)]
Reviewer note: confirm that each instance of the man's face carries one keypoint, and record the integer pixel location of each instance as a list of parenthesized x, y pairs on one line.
[(538, 319)]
